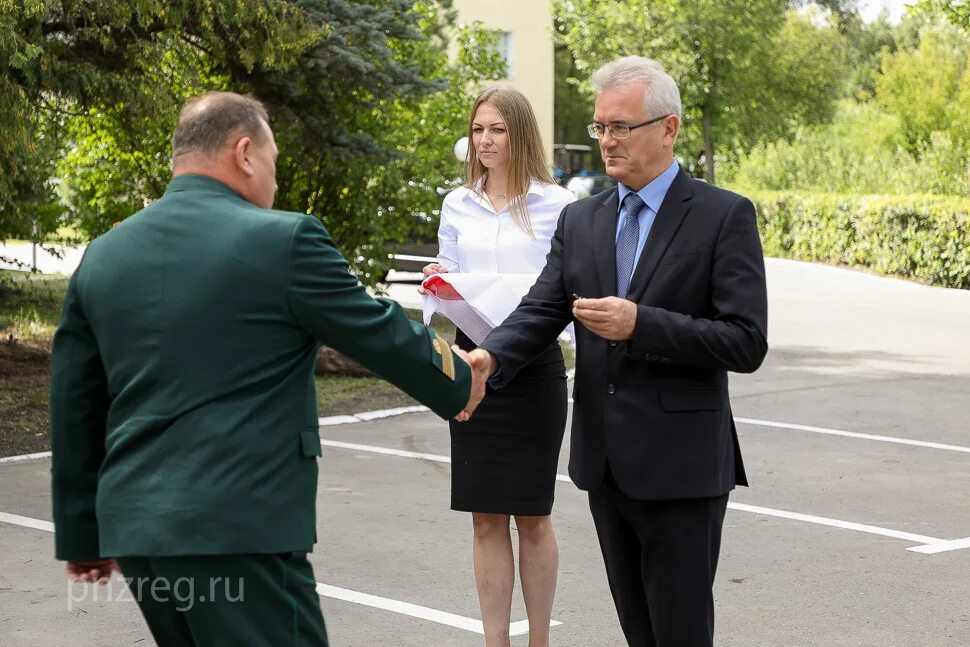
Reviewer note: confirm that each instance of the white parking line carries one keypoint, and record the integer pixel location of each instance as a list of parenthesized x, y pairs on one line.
[(24, 457), (923, 540), (368, 416), (835, 523), (415, 611), (941, 546), (387, 413), (326, 590), (853, 434), (26, 522), (373, 449), (928, 545)]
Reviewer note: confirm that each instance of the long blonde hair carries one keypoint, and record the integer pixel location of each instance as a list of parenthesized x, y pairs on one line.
[(526, 160)]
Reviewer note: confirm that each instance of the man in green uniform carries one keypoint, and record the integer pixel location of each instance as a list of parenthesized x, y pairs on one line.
[(183, 406)]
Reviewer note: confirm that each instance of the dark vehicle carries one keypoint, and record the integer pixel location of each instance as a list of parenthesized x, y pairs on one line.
[(573, 169)]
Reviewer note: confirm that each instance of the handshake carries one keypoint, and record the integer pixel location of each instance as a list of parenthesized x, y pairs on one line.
[(483, 364)]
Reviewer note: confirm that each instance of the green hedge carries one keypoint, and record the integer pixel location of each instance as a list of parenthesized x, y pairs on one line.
[(922, 237)]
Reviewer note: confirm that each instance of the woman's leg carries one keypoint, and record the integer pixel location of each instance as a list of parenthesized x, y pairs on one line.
[(538, 569), (494, 575)]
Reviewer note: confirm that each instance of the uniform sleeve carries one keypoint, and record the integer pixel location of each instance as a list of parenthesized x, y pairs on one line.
[(329, 302), (79, 408)]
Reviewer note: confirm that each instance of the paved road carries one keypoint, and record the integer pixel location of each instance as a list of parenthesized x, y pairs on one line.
[(839, 542)]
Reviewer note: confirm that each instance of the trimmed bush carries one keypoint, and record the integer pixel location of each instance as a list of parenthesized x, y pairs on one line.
[(921, 237)]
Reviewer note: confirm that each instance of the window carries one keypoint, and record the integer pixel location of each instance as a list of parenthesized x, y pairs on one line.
[(506, 50)]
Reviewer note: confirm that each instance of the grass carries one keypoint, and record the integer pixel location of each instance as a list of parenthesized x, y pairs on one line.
[(63, 235), (30, 306)]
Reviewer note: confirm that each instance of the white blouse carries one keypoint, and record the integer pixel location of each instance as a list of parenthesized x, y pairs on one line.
[(473, 238)]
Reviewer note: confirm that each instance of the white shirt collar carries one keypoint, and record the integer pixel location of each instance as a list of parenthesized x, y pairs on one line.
[(475, 192)]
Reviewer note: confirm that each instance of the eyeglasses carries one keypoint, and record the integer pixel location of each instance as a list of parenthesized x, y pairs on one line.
[(618, 131)]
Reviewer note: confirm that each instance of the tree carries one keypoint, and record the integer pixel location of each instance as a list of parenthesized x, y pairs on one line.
[(846, 10), (748, 70), (60, 57), (574, 103), (927, 88), (367, 134), (956, 11), (364, 100), (909, 135)]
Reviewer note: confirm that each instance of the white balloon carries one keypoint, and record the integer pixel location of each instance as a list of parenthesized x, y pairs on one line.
[(461, 149)]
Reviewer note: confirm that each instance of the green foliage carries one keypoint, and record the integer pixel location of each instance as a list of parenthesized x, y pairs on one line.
[(862, 151), (922, 237), (364, 101), (60, 58), (928, 88), (120, 158), (867, 45), (748, 70), (573, 99), (913, 136), (29, 144), (29, 301), (956, 11), (383, 190)]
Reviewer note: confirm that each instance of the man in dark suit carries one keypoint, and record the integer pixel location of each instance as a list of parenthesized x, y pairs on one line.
[(666, 277), (183, 405)]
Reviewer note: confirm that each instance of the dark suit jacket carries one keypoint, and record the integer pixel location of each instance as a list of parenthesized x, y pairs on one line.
[(656, 407), (183, 403)]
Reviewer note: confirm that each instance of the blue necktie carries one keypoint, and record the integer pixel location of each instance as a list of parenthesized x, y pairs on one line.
[(626, 244)]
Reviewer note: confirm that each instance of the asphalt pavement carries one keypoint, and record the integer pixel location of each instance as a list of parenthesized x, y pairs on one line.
[(854, 532)]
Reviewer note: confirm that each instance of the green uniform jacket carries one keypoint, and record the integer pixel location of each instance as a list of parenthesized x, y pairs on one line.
[(183, 406)]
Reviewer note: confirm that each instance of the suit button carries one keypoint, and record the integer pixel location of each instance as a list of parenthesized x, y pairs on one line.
[(611, 389), (612, 344)]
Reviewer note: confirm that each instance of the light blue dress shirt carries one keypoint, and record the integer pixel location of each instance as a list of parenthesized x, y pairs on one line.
[(652, 195)]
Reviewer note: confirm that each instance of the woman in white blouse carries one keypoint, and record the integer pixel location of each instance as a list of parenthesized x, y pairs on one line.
[(504, 459)]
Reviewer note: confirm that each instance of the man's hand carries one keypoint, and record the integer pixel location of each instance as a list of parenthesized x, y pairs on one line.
[(97, 571), (482, 364), (611, 318), (428, 270)]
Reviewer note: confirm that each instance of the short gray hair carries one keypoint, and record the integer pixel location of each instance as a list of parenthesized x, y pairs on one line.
[(661, 97), (207, 122)]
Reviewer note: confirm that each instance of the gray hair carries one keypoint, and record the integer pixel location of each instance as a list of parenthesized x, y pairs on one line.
[(208, 122), (661, 96)]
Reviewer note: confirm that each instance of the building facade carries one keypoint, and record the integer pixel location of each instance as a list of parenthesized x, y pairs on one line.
[(525, 30)]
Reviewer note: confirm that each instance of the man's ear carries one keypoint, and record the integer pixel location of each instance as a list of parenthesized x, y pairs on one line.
[(241, 155), (671, 129)]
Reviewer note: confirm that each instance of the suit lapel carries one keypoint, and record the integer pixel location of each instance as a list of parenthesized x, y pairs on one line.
[(674, 208), (604, 245)]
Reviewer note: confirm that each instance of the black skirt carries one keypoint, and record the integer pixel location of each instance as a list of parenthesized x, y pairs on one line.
[(504, 459)]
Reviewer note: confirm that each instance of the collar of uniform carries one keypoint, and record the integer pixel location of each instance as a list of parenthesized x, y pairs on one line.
[(190, 182), (475, 193)]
